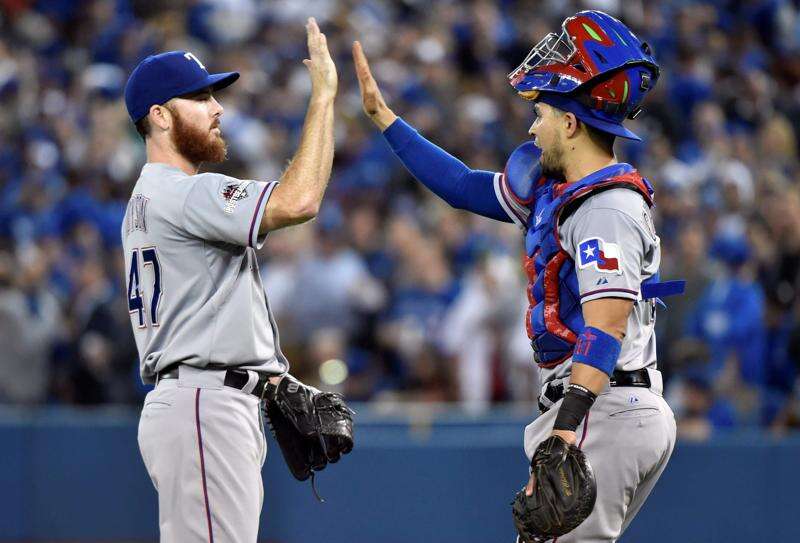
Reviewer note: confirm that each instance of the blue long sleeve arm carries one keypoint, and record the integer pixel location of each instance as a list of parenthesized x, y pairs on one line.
[(445, 175)]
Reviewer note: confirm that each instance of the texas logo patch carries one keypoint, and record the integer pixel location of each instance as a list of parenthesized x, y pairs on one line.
[(602, 255)]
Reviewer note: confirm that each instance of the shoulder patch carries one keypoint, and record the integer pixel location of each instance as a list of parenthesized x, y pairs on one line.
[(604, 256), (232, 193)]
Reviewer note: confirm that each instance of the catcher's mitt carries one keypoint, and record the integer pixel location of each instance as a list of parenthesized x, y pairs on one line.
[(311, 427), (563, 496)]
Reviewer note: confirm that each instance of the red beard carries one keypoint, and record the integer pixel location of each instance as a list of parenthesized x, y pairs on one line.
[(197, 145)]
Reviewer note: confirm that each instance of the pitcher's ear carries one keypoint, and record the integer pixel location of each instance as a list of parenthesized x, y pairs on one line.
[(160, 117)]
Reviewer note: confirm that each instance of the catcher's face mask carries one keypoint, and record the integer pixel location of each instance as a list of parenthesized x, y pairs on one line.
[(553, 48)]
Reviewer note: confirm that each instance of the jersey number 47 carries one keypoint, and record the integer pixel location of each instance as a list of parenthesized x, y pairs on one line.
[(136, 304)]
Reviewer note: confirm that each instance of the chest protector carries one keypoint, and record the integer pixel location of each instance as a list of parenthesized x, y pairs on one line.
[(554, 318)]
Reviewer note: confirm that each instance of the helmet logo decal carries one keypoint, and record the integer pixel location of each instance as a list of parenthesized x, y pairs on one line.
[(595, 36)]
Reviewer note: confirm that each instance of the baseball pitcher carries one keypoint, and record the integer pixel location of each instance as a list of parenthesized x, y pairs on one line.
[(202, 323), (592, 256)]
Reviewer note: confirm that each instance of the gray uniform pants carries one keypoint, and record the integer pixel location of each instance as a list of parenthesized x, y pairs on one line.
[(203, 446), (628, 438)]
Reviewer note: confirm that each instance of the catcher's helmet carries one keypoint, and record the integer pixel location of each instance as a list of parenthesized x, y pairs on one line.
[(596, 68)]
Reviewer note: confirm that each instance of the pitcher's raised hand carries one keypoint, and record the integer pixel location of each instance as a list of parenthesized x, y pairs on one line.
[(324, 80)]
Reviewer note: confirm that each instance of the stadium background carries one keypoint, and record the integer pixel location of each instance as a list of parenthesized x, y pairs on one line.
[(418, 305)]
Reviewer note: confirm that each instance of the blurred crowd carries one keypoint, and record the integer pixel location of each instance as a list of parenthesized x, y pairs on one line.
[(390, 294)]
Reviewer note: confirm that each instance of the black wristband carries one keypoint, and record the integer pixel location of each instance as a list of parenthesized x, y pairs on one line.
[(577, 402)]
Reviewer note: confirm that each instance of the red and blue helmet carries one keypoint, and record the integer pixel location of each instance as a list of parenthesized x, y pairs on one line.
[(596, 68)]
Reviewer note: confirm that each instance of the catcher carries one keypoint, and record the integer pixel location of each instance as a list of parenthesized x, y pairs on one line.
[(206, 336), (592, 258)]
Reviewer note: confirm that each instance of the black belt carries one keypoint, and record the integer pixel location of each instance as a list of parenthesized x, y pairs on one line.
[(636, 378), (233, 378)]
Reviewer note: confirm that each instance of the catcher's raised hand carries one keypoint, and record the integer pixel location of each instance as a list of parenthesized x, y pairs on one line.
[(371, 98), (324, 80)]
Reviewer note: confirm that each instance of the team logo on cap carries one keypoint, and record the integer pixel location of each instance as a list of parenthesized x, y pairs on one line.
[(602, 255), (190, 56)]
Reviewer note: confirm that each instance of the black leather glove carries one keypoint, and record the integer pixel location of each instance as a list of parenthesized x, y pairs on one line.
[(563, 496), (311, 427)]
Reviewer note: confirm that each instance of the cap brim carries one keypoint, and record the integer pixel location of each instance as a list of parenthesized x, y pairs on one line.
[(568, 103), (214, 81), (220, 81), (611, 128)]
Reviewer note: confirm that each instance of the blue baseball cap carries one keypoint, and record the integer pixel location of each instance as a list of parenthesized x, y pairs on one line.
[(159, 78)]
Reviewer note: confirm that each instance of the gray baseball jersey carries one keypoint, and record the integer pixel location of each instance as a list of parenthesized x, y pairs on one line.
[(194, 292), (621, 221)]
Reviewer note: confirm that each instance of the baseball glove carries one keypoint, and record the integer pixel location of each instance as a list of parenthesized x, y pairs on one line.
[(312, 428), (563, 496)]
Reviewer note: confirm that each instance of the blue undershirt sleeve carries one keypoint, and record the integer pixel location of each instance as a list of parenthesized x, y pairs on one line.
[(445, 175)]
